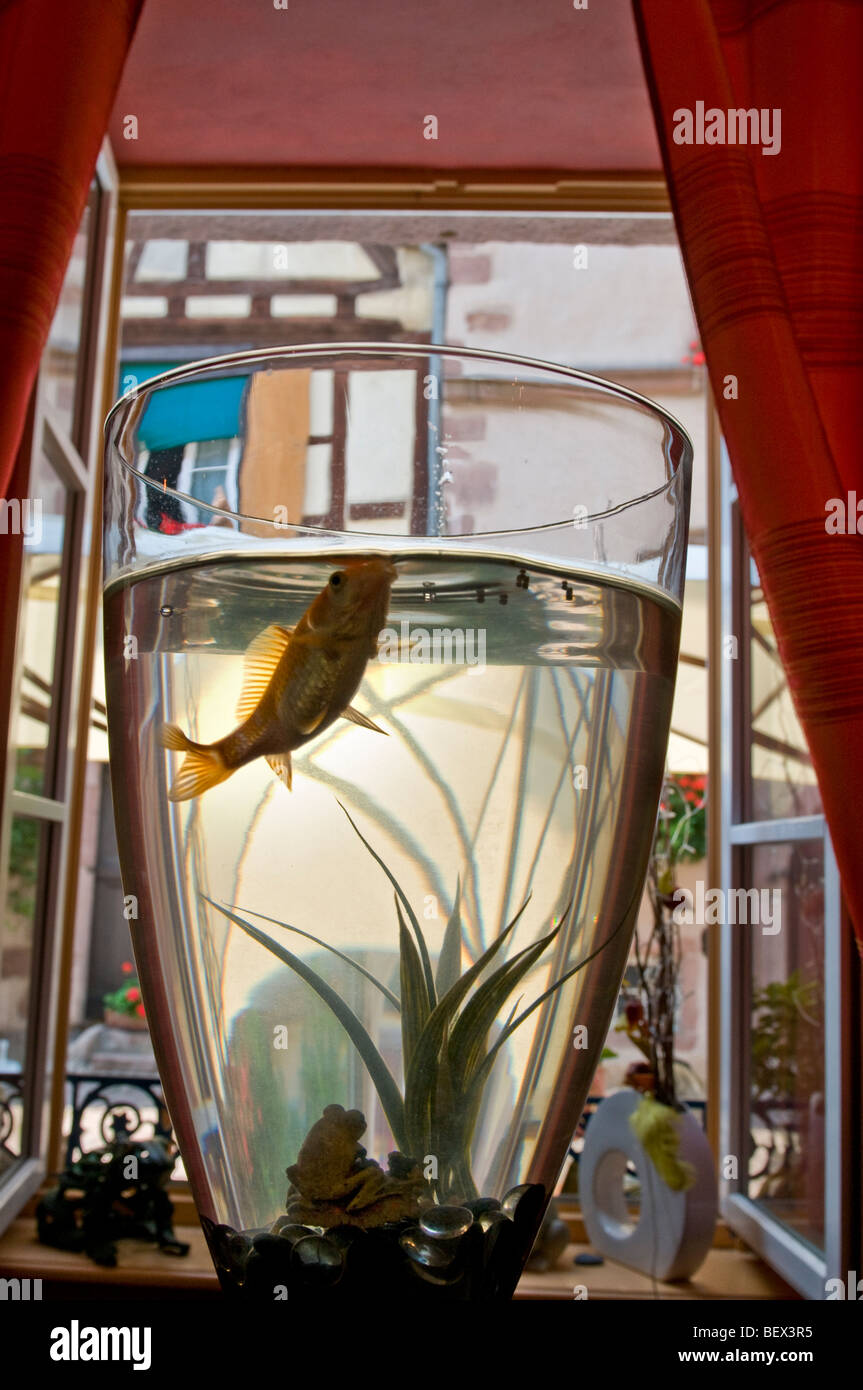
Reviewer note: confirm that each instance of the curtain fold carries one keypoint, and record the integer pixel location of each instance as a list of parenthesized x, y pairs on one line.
[(60, 65), (772, 240)]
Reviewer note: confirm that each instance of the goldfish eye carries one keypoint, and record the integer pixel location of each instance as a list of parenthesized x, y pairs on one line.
[(336, 580)]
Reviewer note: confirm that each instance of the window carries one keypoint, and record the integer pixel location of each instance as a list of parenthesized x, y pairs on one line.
[(786, 965), (44, 668), (604, 293)]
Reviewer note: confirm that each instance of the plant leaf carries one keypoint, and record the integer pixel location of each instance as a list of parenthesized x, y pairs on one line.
[(467, 1043), (449, 960), (465, 1111), (420, 1076), (411, 915), (441, 1110), (387, 993), (415, 1000), (385, 1086), (484, 1069), (471, 1031)]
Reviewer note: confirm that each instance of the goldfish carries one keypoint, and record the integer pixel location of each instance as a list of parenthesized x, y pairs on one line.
[(296, 681)]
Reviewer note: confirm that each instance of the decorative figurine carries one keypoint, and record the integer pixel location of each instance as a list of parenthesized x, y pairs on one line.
[(112, 1194)]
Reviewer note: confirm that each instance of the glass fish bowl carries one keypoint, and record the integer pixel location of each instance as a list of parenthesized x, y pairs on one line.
[(391, 635)]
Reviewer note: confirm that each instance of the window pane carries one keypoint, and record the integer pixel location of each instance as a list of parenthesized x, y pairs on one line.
[(783, 780), (786, 1057), (61, 363), (321, 386), (44, 531), (379, 459), (27, 849), (212, 476), (318, 494), (591, 306), (162, 259), (617, 305), (326, 260)]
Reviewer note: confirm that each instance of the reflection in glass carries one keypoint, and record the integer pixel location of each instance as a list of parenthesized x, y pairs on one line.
[(41, 586), (783, 780), (786, 1061), (27, 844), (61, 362)]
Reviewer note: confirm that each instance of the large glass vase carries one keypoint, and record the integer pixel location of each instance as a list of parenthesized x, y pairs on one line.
[(391, 635)]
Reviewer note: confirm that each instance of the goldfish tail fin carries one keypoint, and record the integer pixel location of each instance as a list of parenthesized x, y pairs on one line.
[(201, 768), (171, 736)]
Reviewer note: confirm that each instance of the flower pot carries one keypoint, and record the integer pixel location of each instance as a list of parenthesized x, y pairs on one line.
[(133, 1023), (673, 1231), (416, 1064)]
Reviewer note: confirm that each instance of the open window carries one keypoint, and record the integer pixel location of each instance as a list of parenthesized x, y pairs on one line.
[(787, 964), (48, 665)]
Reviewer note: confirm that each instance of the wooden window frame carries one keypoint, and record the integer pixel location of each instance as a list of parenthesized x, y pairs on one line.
[(778, 1244), (173, 189), (73, 455)]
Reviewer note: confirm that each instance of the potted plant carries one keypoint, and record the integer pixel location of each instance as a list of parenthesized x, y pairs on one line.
[(786, 1080), (123, 1006), (646, 1124), (425, 1214)]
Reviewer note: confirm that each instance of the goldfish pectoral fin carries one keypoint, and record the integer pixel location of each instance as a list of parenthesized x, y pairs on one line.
[(389, 647), (281, 765), (259, 665), (362, 719), (201, 769), (312, 639), (308, 726)]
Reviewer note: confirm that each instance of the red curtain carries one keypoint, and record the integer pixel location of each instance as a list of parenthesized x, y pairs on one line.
[(59, 69), (772, 239), (60, 65)]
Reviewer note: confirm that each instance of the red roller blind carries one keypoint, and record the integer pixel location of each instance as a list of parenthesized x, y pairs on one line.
[(772, 239)]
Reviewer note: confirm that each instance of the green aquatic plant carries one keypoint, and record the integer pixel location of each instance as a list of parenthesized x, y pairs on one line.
[(446, 1018)]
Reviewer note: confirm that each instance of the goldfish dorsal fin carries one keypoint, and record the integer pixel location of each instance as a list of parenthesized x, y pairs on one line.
[(262, 657), (281, 765)]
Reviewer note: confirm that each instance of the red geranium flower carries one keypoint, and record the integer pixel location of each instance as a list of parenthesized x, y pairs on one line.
[(127, 967), (139, 1010), (133, 995), (634, 1012)]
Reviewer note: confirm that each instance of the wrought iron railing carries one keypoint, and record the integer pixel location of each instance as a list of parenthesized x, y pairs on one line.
[(88, 1091), (11, 1100)]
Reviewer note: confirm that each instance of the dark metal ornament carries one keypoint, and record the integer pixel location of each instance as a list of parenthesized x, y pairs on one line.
[(112, 1194)]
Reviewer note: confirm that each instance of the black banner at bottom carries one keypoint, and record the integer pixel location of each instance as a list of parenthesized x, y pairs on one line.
[(188, 1337)]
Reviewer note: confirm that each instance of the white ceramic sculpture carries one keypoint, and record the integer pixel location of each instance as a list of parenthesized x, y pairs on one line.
[(674, 1230)]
